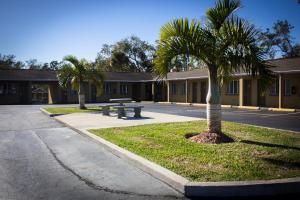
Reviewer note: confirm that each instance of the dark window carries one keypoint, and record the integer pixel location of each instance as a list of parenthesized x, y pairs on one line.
[(173, 89), (107, 88), (287, 87), (8, 88), (73, 92), (233, 87), (123, 88), (183, 89), (274, 88)]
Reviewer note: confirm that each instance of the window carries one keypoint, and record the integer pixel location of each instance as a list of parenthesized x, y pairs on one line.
[(8, 88), (74, 92), (1, 88), (183, 89), (233, 87), (107, 88), (173, 89), (287, 87), (123, 88), (274, 88)]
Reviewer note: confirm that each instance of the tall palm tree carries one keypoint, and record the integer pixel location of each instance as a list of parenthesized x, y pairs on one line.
[(77, 72), (225, 43)]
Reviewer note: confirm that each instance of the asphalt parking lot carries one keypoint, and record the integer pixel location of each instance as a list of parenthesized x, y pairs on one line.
[(272, 119)]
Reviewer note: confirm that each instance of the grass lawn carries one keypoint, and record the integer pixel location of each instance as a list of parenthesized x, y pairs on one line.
[(68, 110), (257, 154)]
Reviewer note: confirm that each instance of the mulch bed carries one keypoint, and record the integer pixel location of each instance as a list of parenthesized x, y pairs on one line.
[(212, 138)]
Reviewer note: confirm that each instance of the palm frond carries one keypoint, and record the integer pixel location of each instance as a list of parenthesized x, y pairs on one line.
[(65, 74), (220, 13), (179, 37)]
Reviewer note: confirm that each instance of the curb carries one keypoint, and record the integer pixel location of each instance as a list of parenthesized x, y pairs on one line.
[(198, 189), (234, 106), (49, 114)]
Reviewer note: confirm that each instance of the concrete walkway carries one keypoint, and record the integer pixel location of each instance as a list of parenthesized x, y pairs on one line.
[(85, 121)]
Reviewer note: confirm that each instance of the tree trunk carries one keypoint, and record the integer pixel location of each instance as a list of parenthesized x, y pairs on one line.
[(213, 106), (81, 96)]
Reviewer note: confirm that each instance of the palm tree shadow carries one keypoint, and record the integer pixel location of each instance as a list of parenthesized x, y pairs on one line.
[(269, 145), (281, 163)]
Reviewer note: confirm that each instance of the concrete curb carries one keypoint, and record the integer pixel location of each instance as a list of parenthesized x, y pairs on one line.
[(198, 189), (49, 114), (234, 106)]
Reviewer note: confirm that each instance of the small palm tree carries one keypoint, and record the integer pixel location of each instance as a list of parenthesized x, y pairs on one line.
[(77, 72), (225, 44)]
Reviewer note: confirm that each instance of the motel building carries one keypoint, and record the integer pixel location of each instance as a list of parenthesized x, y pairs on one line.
[(41, 86)]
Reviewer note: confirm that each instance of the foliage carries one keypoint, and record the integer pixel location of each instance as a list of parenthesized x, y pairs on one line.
[(10, 62), (129, 54), (77, 72), (279, 40), (258, 154), (225, 43)]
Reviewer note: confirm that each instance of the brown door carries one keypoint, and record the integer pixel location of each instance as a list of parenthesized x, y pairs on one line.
[(247, 92), (261, 97), (194, 94), (203, 92)]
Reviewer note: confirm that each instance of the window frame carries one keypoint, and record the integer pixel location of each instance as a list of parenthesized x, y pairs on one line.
[(274, 87), (233, 88)]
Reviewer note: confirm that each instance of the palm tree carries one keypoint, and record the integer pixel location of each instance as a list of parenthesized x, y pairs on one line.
[(77, 72), (225, 44)]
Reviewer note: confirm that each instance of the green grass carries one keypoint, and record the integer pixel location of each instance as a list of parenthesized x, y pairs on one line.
[(68, 110), (257, 154)]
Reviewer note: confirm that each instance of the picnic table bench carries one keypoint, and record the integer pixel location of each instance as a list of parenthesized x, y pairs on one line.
[(122, 113), (106, 107)]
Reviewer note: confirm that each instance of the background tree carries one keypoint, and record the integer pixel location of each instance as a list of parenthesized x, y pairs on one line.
[(280, 41), (10, 62), (129, 54), (225, 43), (77, 72)]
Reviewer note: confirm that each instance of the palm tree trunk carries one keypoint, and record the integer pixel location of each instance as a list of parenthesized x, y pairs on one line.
[(213, 107), (81, 96)]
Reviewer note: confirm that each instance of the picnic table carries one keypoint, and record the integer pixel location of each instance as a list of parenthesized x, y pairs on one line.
[(121, 101)]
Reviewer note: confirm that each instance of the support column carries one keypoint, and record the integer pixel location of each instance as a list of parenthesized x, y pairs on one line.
[(186, 91), (153, 91), (241, 92), (168, 91), (280, 91)]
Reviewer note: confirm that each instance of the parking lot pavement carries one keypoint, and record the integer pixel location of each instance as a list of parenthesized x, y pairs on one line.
[(271, 119), (40, 159)]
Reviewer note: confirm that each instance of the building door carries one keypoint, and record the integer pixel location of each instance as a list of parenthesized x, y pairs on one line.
[(194, 92), (247, 92), (93, 94), (261, 97), (203, 92)]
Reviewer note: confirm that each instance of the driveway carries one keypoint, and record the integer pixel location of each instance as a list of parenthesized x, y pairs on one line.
[(41, 159)]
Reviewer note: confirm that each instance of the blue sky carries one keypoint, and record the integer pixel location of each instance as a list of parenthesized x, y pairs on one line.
[(50, 29)]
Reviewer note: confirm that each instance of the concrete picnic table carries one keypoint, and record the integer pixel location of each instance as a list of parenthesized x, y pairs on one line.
[(121, 101)]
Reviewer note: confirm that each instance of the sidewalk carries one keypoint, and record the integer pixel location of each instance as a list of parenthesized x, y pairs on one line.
[(84, 121)]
